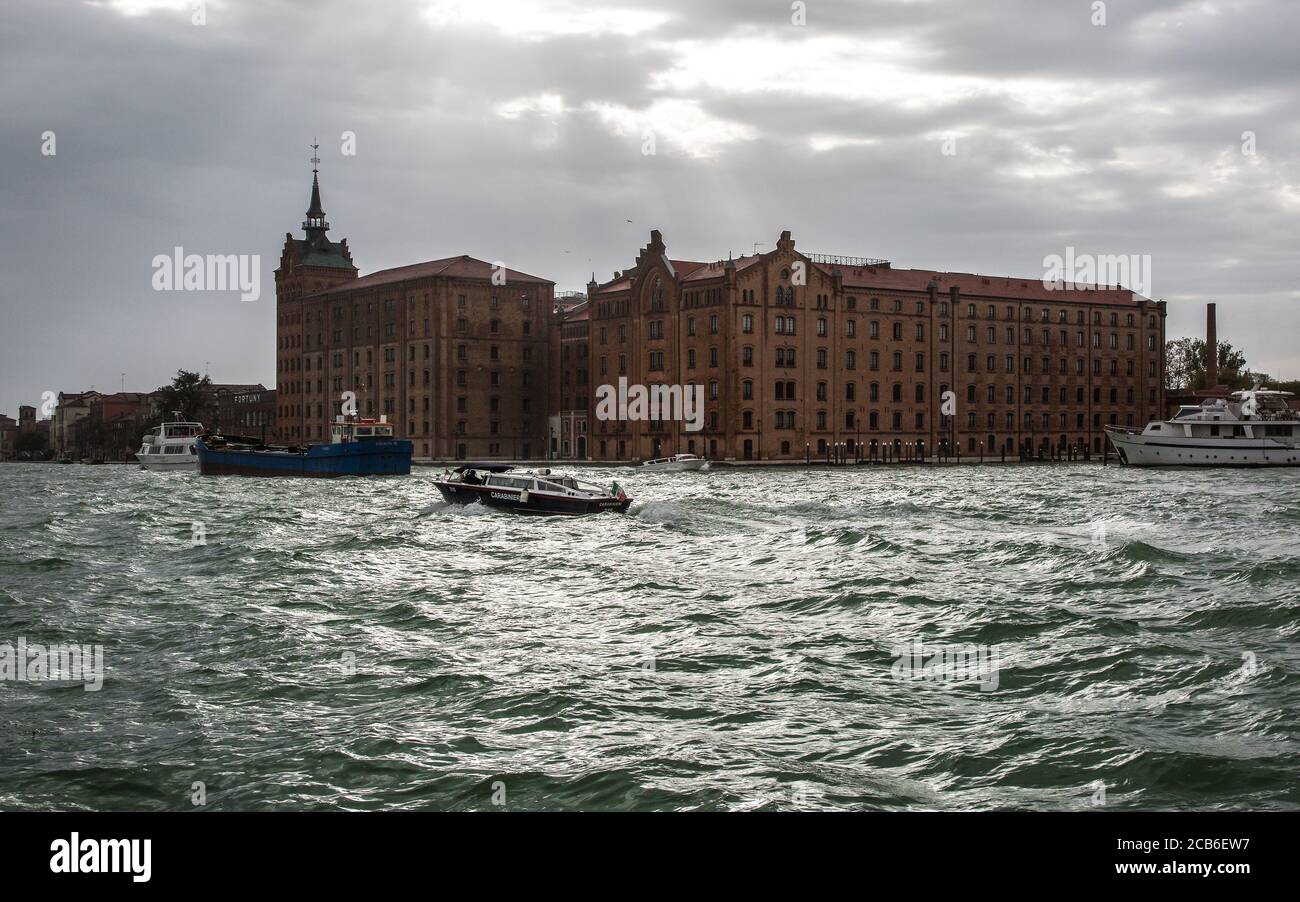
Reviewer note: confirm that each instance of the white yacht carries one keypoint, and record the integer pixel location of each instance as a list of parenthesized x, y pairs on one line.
[(676, 463), (171, 447), (1247, 429)]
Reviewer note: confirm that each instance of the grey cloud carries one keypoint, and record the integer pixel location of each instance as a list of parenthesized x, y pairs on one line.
[(175, 135)]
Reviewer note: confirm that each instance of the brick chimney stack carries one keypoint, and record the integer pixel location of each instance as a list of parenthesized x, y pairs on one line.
[(1211, 348)]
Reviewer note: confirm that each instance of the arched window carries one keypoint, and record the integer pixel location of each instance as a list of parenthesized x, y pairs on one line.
[(657, 295)]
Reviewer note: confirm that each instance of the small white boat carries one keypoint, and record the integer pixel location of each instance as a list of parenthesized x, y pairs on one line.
[(676, 463), (170, 447), (1247, 429)]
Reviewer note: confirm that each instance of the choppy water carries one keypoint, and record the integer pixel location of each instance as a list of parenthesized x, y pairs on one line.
[(727, 645)]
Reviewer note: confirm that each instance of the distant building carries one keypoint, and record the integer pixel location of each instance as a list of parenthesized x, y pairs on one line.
[(570, 390), (73, 406), (8, 436), (112, 426), (245, 410), (29, 427)]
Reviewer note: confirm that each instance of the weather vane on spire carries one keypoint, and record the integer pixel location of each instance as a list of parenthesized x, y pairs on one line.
[(315, 226)]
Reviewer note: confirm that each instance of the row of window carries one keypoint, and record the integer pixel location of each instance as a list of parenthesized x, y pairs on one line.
[(1027, 336), (1063, 366), (494, 404), (1045, 316), (1045, 394), (787, 357), (494, 325)]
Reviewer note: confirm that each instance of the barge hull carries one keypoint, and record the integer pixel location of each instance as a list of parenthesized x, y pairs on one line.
[(391, 458)]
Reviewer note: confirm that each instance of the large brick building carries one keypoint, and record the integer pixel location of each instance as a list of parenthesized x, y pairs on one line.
[(799, 355), (454, 352), (807, 355)]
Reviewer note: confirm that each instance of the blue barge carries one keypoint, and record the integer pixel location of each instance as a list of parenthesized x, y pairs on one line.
[(360, 448)]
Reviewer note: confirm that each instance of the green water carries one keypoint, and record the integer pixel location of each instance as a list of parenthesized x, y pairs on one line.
[(731, 643)]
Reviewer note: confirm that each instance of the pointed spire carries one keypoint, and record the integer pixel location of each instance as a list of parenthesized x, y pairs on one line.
[(315, 225), (315, 208)]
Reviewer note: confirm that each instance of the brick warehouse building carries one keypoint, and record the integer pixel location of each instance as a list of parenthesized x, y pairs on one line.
[(454, 352), (860, 354), (852, 357)]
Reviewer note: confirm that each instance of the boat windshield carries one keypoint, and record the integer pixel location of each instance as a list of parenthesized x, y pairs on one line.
[(363, 431), (181, 430)]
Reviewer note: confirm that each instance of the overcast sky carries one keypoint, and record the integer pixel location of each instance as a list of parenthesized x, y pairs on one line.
[(515, 131)]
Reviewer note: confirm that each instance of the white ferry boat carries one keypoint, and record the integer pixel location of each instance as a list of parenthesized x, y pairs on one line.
[(676, 463), (170, 447), (1247, 429)]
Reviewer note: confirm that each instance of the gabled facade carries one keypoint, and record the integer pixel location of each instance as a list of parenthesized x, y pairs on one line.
[(808, 356)]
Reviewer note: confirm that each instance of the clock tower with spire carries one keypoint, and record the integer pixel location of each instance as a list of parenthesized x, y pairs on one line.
[(307, 265)]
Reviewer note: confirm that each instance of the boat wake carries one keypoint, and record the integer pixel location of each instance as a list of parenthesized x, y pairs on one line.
[(669, 514)]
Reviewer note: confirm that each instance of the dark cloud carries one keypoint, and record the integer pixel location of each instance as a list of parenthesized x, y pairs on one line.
[(519, 138)]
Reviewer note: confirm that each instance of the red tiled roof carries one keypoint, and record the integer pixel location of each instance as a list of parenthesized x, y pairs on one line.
[(237, 387), (463, 267), (887, 278), (71, 397), (620, 285), (884, 278), (685, 268), (718, 269), (687, 271)]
